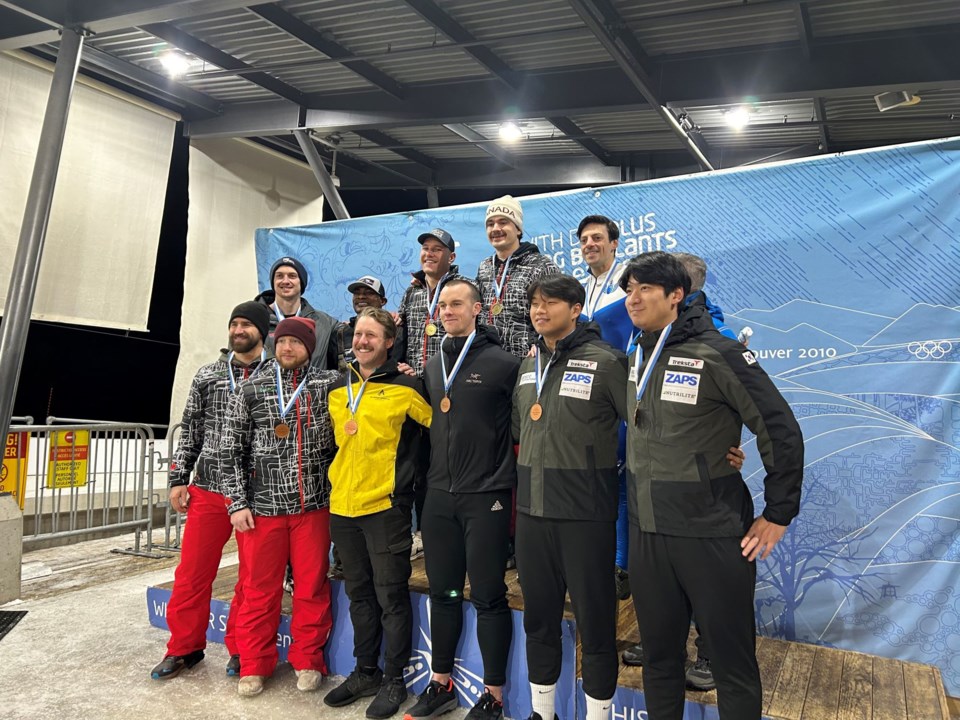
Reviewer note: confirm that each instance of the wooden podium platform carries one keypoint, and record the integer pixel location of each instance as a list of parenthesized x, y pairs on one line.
[(800, 681)]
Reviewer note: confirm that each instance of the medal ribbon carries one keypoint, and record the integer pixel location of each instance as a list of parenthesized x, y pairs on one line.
[(432, 304), (285, 407), (448, 379), (593, 302), (654, 356), (233, 380), (353, 401), (541, 377), (280, 316), (498, 286)]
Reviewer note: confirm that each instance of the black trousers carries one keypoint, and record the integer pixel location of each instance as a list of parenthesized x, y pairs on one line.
[(468, 534), (557, 556), (710, 578), (375, 550)]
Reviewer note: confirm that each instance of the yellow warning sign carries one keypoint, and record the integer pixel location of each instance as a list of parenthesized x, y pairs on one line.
[(13, 473), (67, 467)]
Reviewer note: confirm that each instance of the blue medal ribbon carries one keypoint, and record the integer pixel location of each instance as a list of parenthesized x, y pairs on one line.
[(233, 380), (538, 376), (285, 406), (654, 356), (353, 401), (281, 317), (448, 379), (499, 286), (432, 304)]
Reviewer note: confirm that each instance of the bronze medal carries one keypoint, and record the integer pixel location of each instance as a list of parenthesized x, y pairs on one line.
[(496, 308), (350, 427), (445, 404), (536, 412), (281, 430), (431, 329)]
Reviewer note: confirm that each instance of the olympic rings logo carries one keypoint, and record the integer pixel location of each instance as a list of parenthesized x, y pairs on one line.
[(930, 349)]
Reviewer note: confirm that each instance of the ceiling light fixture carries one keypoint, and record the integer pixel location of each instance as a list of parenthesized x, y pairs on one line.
[(738, 118), (174, 63), (510, 131), (890, 100)]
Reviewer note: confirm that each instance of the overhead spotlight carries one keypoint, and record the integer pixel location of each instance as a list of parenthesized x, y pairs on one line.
[(174, 63), (738, 118), (890, 100), (510, 131)]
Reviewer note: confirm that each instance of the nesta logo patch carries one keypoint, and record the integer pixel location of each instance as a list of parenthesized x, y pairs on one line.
[(681, 379), (583, 378)]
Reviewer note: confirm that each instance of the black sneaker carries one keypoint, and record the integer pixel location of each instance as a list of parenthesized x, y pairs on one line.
[(233, 666), (623, 584), (173, 665), (437, 699), (487, 708), (392, 693), (700, 675), (633, 656), (356, 686)]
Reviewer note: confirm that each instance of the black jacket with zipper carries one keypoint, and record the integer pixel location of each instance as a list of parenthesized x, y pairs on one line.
[(471, 445)]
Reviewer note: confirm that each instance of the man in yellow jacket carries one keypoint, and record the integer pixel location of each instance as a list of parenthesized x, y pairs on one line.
[(375, 410)]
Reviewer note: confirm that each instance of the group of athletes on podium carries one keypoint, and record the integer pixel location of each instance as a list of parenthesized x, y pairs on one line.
[(590, 429)]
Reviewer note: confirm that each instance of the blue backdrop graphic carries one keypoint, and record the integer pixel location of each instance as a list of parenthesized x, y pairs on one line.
[(848, 270)]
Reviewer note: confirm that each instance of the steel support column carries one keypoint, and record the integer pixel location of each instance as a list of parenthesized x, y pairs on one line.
[(323, 175), (33, 231)]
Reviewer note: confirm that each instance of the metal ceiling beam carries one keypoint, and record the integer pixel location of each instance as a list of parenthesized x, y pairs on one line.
[(571, 129), (603, 20), (804, 29), (101, 16), (489, 147), (444, 22), (820, 115), (323, 176), (179, 39), (322, 43), (381, 138)]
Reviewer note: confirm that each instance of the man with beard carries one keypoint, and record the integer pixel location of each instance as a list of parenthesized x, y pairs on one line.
[(466, 516), (376, 412), (368, 291), (288, 282), (209, 528), (277, 445)]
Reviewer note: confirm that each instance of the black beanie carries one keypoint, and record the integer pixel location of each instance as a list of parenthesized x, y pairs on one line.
[(296, 265), (255, 312)]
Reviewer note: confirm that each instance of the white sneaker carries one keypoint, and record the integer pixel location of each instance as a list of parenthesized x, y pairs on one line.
[(250, 685), (309, 680), (416, 548)]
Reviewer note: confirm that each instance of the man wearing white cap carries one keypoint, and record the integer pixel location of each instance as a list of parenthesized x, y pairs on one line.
[(504, 277)]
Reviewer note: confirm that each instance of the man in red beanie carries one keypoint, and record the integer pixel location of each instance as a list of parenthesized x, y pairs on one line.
[(277, 445), (209, 528)]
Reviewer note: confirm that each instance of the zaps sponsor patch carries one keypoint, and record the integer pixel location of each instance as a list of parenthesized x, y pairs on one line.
[(576, 384), (691, 363), (528, 378), (680, 387)]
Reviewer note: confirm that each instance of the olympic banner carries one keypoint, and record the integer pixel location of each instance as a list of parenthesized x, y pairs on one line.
[(847, 268)]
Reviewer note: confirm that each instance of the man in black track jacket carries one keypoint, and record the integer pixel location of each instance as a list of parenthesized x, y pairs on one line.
[(567, 408), (693, 536), (466, 516)]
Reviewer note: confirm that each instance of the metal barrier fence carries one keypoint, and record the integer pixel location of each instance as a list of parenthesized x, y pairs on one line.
[(173, 521), (88, 478)]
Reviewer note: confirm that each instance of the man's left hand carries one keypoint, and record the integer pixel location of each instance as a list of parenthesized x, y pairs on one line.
[(761, 538)]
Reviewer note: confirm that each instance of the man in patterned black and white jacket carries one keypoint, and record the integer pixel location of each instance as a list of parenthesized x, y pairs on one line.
[(209, 528), (504, 277), (276, 448)]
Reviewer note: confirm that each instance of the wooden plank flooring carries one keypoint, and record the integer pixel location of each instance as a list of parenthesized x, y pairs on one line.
[(800, 682)]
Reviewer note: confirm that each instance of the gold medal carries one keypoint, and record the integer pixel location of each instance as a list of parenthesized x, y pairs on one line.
[(431, 329), (281, 430), (536, 412), (445, 404), (350, 427), (496, 308)]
